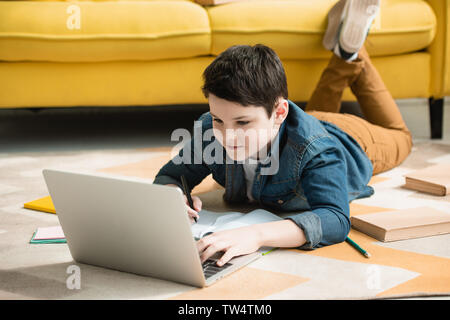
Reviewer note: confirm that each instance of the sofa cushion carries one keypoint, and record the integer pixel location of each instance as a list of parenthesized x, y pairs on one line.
[(295, 28), (113, 30)]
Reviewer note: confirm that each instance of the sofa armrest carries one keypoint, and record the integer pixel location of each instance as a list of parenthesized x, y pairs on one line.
[(440, 50)]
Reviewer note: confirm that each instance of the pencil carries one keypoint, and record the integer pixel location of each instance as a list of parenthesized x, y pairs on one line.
[(187, 193), (357, 247), (269, 251)]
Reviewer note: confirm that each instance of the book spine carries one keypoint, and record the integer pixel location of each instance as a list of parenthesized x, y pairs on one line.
[(435, 190), (418, 231), (369, 229)]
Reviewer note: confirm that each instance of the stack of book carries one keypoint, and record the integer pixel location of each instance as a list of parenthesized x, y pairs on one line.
[(48, 235)]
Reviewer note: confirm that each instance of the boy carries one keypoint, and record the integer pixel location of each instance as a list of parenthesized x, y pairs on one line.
[(318, 160)]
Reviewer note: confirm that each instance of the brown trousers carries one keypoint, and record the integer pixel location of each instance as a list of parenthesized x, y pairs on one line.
[(384, 136)]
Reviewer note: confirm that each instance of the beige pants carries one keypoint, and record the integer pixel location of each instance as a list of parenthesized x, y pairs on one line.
[(383, 136)]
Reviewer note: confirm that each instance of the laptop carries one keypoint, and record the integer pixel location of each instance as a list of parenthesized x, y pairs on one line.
[(132, 225)]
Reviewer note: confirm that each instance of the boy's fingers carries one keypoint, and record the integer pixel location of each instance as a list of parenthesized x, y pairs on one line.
[(203, 243), (227, 256), (211, 250), (197, 203), (192, 213)]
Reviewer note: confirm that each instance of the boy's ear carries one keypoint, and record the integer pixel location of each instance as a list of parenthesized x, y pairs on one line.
[(281, 110)]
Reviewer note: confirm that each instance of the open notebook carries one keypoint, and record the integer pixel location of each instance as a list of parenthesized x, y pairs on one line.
[(210, 221)]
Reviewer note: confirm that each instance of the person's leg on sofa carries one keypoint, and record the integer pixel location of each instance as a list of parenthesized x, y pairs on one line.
[(384, 135), (338, 75), (392, 140), (377, 103), (348, 25)]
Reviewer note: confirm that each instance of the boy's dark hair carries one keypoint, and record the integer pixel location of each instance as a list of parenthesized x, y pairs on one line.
[(248, 75)]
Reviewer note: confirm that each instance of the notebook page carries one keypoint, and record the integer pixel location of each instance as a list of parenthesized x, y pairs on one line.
[(47, 233), (209, 220), (253, 217)]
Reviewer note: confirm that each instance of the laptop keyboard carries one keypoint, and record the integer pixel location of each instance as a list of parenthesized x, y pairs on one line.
[(210, 267)]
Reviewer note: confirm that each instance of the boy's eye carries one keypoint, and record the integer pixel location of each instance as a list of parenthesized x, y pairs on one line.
[(241, 123)]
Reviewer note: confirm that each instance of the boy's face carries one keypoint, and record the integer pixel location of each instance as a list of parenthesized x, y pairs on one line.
[(245, 131)]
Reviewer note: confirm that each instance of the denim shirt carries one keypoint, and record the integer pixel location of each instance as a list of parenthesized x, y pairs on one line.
[(320, 170)]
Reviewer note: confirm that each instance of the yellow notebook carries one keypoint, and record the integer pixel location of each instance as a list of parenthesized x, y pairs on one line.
[(43, 204)]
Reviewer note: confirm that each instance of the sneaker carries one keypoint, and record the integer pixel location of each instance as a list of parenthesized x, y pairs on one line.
[(358, 17), (335, 17)]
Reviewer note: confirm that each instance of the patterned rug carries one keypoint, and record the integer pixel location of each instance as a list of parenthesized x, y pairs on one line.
[(416, 267)]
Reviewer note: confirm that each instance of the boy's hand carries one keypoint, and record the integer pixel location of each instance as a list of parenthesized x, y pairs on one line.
[(197, 206), (195, 200), (234, 242)]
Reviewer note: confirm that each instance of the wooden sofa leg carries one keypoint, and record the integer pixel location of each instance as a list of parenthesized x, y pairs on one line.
[(436, 117)]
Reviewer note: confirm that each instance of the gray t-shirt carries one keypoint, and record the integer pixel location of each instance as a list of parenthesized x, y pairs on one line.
[(250, 169)]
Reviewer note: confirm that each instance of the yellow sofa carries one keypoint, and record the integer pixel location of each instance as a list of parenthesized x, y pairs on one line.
[(153, 52)]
